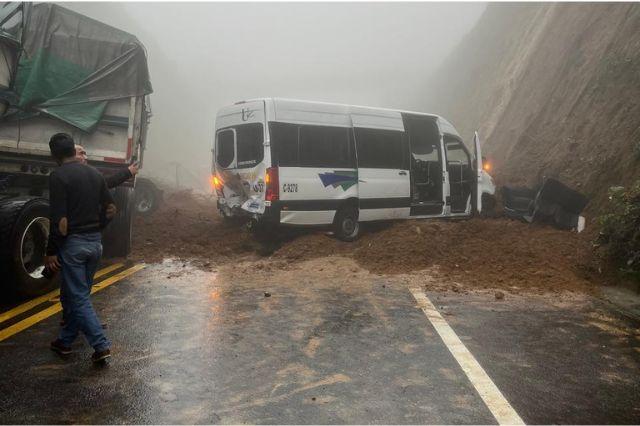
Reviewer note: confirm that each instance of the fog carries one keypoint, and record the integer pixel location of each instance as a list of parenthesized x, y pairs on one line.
[(203, 56)]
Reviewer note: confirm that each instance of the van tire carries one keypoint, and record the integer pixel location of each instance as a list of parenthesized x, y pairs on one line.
[(24, 219), (346, 225)]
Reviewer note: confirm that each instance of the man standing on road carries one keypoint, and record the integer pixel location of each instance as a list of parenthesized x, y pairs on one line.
[(112, 181), (80, 207)]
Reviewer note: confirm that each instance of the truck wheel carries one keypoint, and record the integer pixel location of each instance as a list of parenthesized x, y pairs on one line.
[(24, 231), (346, 225), (117, 235), (147, 197)]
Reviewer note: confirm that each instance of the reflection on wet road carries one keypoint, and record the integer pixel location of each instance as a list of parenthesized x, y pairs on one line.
[(312, 344)]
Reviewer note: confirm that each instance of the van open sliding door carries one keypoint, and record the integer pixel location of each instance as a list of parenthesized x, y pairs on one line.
[(428, 186), (383, 169)]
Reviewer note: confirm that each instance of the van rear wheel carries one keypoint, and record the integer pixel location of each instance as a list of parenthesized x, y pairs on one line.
[(346, 225)]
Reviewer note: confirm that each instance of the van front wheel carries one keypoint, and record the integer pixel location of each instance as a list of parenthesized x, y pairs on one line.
[(346, 225)]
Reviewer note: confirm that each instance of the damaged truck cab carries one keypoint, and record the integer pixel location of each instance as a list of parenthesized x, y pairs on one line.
[(309, 163)]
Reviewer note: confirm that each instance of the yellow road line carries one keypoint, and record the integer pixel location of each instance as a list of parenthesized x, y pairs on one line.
[(105, 271), (488, 391), (52, 310), (51, 295)]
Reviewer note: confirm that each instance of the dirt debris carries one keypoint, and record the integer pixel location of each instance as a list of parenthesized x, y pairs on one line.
[(187, 226), (468, 254), (481, 253)]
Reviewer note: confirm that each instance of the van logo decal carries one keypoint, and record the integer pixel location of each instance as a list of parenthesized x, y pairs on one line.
[(247, 114), (339, 178)]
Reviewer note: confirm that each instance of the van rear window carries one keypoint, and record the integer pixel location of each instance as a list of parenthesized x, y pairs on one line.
[(250, 144), (225, 151), (240, 149)]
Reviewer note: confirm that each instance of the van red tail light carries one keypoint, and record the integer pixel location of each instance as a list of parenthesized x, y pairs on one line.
[(272, 184)]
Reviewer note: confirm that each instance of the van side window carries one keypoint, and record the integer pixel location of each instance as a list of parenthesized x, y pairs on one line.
[(284, 144), (381, 149), (225, 150), (424, 139), (456, 152), (250, 142), (295, 145), (325, 147)]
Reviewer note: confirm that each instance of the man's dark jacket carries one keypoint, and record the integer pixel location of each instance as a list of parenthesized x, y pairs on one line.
[(79, 193), (118, 178)]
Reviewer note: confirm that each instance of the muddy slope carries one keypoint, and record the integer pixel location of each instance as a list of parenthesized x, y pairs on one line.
[(553, 89)]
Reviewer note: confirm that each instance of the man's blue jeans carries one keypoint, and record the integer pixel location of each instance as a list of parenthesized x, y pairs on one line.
[(79, 257)]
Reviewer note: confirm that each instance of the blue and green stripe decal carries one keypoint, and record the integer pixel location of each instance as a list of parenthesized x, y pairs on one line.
[(344, 179)]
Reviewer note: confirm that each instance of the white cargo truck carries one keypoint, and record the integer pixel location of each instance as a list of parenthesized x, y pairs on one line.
[(61, 71)]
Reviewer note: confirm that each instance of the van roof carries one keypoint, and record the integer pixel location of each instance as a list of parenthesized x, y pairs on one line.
[(328, 107)]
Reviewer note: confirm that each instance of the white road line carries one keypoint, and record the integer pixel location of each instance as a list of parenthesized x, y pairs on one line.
[(489, 392)]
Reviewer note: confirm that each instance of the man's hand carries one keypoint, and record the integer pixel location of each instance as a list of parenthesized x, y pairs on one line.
[(133, 169), (63, 226), (52, 263), (110, 211)]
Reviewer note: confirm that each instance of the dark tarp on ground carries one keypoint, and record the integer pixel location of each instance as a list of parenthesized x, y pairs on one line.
[(71, 66)]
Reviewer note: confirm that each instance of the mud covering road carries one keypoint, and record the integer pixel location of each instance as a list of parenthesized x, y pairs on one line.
[(187, 226), (481, 253)]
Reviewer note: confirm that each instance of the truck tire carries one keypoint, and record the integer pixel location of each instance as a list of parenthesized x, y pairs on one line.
[(24, 230), (346, 225), (147, 197), (117, 235)]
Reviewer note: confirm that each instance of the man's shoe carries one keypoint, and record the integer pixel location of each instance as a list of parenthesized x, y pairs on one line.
[(99, 356), (59, 348)]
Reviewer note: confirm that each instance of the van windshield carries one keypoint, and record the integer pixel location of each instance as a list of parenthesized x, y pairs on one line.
[(245, 150)]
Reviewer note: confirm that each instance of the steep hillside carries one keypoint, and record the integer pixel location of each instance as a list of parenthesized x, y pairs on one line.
[(554, 90)]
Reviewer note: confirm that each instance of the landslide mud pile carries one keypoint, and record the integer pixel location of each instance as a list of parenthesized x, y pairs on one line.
[(187, 226), (478, 253)]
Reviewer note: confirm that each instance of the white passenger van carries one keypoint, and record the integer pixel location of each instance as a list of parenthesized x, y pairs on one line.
[(311, 163)]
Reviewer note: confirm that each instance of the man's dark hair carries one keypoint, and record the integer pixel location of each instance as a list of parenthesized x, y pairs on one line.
[(62, 146)]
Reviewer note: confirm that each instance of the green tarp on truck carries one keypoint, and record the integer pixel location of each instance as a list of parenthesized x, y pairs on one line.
[(69, 66)]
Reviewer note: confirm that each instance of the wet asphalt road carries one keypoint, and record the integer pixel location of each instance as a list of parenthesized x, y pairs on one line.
[(191, 347)]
